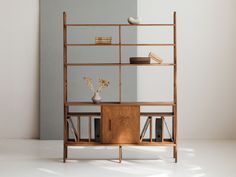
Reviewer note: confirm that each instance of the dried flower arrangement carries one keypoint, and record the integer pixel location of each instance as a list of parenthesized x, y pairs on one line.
[(102, 84)]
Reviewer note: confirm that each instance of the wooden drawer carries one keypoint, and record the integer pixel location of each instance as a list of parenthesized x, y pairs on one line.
[(120, 124)]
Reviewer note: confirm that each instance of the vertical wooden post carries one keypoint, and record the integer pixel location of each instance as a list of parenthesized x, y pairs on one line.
[(162, 120), (68, 127), (175, 89), (65, 86), (150, 117), (89, 128), (120, 64), (78, 127), (120, 154)]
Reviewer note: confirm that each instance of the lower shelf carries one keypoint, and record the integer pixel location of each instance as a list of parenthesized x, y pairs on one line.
[(144, 143), (168, 114)]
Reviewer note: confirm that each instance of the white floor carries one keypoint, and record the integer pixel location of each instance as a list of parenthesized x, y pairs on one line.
[(37, 158)]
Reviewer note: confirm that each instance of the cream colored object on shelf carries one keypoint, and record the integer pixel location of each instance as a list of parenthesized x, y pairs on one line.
[(134, 21), (155, 57)]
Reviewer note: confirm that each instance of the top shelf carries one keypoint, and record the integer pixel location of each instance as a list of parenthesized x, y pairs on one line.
[(119, 24)]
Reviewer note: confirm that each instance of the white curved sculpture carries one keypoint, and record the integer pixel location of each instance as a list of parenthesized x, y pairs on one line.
[(134, 21)]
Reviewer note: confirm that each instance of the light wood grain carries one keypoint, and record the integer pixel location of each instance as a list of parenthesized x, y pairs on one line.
[(175, 87), (120, 124), (65, 149), (119, 25), (120, 154), (118, 64), (120, 60), (150, 129), (120, 103), (119, 45), (86, 114), (86, 143)]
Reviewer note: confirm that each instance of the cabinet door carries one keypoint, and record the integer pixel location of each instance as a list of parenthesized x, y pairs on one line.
[(120, 124)]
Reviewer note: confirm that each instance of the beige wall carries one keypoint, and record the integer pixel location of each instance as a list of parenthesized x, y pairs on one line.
[(206, 64), (19, 69), (206, 74)]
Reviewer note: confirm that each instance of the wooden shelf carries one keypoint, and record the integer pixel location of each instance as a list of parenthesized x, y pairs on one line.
[(85, 143), (119, 45), (167, 114), (123, 103), (91, 44), (118, 64), (119, 25)]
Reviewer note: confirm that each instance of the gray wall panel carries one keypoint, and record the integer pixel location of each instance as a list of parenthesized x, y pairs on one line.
[(51, 55)]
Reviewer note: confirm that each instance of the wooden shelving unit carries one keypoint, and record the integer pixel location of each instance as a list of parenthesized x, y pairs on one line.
[(91, 142)]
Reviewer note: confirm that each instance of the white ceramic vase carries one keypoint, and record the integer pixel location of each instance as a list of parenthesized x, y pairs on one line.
[(96, 98)]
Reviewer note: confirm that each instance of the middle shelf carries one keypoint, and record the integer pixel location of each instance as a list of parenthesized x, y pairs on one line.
[(118, 64)]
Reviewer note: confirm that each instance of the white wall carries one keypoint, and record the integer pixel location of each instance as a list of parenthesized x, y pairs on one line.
[(19, 69), (206, 64), (206, 74)]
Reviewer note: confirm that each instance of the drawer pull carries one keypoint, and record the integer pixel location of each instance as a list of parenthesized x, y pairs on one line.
[(109, 124)]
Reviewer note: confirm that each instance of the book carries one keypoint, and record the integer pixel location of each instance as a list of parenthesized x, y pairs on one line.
[(170, 139), (103, 40), (147, 123), (72, 128), (97, 129), (159, 128), (155, 57), (139, 60)]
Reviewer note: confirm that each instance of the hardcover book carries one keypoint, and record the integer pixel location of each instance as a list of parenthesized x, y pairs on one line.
[(159, 128), (97, 129)]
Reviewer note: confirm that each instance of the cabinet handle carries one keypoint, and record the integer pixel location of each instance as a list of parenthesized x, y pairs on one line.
[(109, 124)]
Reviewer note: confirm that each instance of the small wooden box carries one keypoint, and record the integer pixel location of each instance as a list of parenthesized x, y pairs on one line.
[(120, 124), (139, 60)]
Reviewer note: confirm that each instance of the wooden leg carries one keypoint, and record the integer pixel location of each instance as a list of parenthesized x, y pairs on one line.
[(175, 153), (65, 153), (120, 154)]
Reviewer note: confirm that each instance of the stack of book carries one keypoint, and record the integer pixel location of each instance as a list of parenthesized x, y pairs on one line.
[(103, 40), (155, 57)]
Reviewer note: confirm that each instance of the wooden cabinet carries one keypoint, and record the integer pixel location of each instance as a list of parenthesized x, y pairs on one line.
[(120, 123)]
